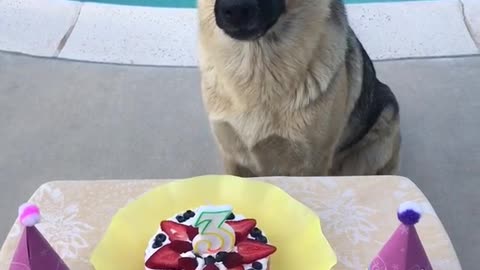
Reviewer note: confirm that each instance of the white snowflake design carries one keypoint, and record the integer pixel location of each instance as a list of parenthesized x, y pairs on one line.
[(345, 217), (60, 225), (349, 261)]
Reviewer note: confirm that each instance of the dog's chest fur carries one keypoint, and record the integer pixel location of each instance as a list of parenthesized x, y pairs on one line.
[(266, 137), (260, 124), (260, 139)]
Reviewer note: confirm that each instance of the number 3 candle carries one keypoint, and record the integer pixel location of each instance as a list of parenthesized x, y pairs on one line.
[(214, 234)]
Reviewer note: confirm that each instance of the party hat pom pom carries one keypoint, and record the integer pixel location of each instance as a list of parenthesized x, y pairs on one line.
[(409, 213), (29, 214)]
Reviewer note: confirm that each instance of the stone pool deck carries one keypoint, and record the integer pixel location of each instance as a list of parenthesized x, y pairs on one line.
[(167, 36)]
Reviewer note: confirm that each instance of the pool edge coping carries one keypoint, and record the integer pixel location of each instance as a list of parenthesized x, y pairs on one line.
[(84, 35)]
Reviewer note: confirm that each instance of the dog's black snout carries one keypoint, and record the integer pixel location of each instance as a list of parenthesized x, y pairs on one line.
[(236, 13), (247, 19)]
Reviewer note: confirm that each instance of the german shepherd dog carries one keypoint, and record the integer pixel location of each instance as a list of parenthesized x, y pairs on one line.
[(290, 90)]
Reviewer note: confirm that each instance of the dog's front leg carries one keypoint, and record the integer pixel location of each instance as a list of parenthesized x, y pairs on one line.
[(231, 145), (323, 164), (278, 156), (233, 168)]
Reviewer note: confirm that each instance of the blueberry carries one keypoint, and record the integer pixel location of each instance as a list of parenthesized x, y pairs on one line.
[(257, 266), (262, 239), (231, 216), (220, 256), (189, 214), (256, 232), (209, 260), (157, 244), (160, 238), (180, 218)]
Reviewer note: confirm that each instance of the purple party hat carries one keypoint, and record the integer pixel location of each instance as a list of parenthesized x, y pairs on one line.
[(404, 250), (33, 250)]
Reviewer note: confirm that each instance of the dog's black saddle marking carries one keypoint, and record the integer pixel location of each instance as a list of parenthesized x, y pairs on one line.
[(374, 98)]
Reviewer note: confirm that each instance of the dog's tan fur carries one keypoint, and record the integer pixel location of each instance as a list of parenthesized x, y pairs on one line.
[(280, 105)]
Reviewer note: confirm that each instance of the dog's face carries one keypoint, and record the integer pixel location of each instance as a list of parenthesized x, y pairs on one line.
[(247, 19)]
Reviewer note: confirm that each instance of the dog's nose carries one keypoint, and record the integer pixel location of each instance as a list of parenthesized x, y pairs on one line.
[(237, 13)]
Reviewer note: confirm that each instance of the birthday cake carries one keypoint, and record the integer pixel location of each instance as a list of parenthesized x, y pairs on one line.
[(208, 238)]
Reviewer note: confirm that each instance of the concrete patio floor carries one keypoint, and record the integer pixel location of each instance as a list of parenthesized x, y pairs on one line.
[(73, 120)]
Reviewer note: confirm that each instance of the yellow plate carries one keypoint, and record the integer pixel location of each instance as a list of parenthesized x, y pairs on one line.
[(290, 226)]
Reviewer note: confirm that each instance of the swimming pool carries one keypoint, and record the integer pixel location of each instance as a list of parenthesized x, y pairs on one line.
[(192, 3)]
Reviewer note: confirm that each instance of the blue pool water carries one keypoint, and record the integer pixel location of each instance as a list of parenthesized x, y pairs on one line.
[(192, 3)]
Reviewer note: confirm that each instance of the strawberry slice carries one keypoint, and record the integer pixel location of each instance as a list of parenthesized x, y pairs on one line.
[(242, 228), (181, 246), (232, 260), (164, 258), (252, 251), (187, 263), (176, 231), (237, 268), (211, 267)]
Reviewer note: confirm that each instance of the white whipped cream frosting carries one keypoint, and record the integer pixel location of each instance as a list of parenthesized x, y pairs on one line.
[(201, 262)]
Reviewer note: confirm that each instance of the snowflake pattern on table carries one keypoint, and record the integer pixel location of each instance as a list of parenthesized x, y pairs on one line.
[(345, 216), (60, 224), (340, 202), (350, 261), (342, 214)]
